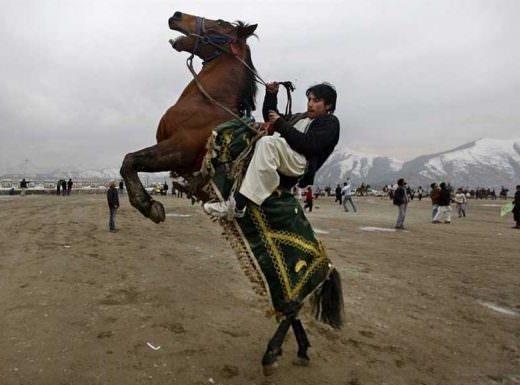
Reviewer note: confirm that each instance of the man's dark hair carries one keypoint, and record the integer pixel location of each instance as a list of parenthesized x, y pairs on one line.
[(326, 92), (400, 182), (442, 185), (433, 185)]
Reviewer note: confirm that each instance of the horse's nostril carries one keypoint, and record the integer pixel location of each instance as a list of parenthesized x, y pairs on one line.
[(177, 15)]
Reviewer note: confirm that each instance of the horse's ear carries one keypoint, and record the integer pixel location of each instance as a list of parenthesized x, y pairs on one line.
[(246, 31)]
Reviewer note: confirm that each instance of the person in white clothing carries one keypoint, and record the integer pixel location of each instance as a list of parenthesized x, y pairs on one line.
[(295, 146), (460, 201), (346, 192)]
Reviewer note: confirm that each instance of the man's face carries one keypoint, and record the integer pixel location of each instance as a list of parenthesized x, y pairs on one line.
[(316, 107)]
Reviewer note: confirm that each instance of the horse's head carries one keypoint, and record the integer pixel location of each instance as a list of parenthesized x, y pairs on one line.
[(203, 36)]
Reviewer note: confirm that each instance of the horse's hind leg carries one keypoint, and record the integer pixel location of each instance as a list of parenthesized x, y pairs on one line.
[(161, 157), (303, 343), (274, 348)]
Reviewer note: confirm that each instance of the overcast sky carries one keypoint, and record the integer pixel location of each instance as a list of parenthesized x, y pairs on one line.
[(84, 82)]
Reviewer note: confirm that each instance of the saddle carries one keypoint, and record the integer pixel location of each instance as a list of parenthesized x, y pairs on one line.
[(277, 237)]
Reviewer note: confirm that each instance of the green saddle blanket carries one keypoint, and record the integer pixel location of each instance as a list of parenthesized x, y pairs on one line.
[(281, 239)]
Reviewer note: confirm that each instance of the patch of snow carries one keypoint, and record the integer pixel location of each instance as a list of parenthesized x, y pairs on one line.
[(499, 309), (435, 166), (383, 229), (318, 231), (396, 164)]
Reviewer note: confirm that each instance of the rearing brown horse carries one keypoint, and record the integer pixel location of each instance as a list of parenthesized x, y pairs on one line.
[(227, 77), (185, 127)]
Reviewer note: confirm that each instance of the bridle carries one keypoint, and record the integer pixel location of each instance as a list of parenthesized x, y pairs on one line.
[(221, 43)]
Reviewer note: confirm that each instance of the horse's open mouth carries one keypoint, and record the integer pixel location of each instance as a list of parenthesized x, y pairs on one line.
[(173, 41), (184, 34), (174, 26)]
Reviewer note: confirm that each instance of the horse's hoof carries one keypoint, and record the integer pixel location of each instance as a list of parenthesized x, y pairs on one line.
[(157, 213), (270, 369), (300, 361)]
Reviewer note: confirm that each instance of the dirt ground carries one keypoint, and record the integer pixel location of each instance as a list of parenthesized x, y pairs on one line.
[(436, 304)]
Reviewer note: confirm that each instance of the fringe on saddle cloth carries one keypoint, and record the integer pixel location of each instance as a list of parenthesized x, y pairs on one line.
[(275, 243)]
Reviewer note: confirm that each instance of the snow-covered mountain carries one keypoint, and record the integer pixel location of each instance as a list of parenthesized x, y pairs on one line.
[(103, 174), (74, 173), (360, 167), (485, 162)]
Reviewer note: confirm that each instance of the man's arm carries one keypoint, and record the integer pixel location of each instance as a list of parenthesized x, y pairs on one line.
[(109, 198), (323, 133)]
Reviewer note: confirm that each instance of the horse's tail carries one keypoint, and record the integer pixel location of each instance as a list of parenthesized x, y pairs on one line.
[(327, 301)]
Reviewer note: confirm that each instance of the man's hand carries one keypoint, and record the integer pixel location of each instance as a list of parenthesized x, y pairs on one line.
[(272, 87), (273, 116), (267, 128)]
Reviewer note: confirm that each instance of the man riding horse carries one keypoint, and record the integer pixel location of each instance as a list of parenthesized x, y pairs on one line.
[(207, 137), (297, 147)]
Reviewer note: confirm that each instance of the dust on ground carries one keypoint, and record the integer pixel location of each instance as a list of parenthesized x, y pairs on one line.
[(437, 304)]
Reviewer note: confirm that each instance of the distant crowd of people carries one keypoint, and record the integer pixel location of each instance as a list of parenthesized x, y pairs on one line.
[(442, 196), (63, 187)]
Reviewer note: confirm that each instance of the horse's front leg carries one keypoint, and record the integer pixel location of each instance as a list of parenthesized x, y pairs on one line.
[(274, 348), (303, 343), (164, 156)]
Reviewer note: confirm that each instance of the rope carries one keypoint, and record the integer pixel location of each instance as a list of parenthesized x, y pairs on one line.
[(189, 63)]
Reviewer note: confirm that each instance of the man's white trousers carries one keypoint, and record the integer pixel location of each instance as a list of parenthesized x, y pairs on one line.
[(272, 154)]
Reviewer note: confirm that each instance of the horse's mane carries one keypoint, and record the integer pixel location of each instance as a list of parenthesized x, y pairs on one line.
[(248, 92)]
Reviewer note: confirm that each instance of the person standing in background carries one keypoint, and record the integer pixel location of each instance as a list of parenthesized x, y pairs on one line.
[(23, 186), (420, 193), (434, 195), (401, 200), (113, 205), (338, 194), (460, 201), (308, 199), (346, 192), (444, 210), (69, 186), (516, 208)]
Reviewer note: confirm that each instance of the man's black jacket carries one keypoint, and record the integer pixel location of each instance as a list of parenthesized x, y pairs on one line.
[(444, 197), (112, 198), (316, 144), (399, 196), (516, 202)]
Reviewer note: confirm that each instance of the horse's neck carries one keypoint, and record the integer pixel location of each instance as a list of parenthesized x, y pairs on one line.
[(223, 79)]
